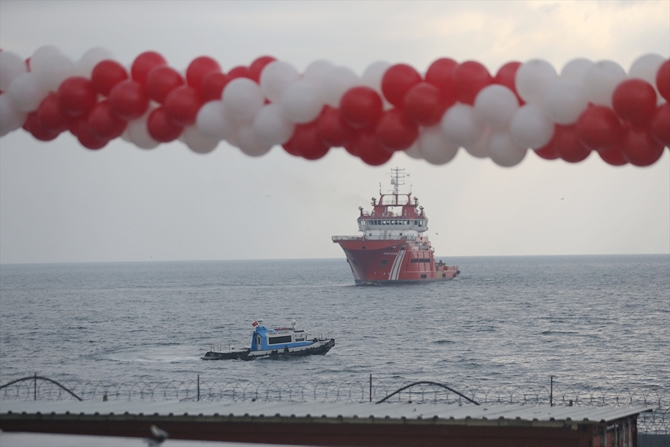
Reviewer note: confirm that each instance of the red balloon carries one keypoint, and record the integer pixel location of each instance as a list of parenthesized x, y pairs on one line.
[(37, 128), (144, 63), (598, 128), (257, 66), (106, 75), (440, 75), (361, 107), (397, 81), (239, 72), (50, 114), (182, 105), (198, 69), (128, 100), (506, 76), (332, 128), (306, 142), (366, 146), (634, 100), (395, 131), (547, 152), (288, 147), (613, 156), (566, 144), (161, 127), (212, 85), (659, 127), (161, 81), (639, 148), (663, 80), (76, 96), (468, 79), (86, 136), (104, 122), (424, 104)]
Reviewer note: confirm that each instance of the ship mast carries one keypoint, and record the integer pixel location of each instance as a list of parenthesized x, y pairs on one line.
[(397, 180)]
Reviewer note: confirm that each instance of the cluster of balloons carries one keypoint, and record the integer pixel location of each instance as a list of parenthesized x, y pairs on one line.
[(587, 107)]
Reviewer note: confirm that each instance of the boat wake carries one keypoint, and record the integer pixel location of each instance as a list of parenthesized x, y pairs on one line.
[(162, 354)]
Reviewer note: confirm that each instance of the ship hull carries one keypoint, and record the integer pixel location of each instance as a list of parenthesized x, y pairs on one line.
[(387, 262)]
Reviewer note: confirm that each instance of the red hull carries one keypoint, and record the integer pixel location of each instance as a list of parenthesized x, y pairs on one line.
[(394, 261)]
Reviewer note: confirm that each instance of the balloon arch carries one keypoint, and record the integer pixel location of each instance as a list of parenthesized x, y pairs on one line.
[(588, 106)]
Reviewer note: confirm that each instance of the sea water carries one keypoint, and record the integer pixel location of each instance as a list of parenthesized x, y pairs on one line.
[(596, 321)]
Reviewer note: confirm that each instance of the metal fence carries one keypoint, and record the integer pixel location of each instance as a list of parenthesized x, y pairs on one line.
[(368, 390)]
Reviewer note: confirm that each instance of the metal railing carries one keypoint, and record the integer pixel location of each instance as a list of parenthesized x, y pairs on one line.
[(558, 394)]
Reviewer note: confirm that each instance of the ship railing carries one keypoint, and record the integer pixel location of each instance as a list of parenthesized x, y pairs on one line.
[(377, 238), (347, 238)]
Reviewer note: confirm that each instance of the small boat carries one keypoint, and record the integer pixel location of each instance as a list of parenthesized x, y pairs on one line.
[(280, 342)]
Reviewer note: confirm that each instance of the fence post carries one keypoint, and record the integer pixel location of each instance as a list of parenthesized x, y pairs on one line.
[(370, 387), (551, 391), (198, 387), (35, 387)]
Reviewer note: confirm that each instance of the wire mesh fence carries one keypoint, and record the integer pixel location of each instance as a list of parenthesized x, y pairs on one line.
[(559, 394)]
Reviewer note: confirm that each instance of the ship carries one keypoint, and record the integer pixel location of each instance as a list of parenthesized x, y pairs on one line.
[(393, 247)]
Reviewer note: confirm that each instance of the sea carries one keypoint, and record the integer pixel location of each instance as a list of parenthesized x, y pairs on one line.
[(599, 322)]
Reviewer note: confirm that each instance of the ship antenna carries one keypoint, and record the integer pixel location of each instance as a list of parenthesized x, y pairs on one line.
[(397, 178)]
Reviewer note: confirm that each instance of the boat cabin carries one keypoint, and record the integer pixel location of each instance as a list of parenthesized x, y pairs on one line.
[(264, 339)]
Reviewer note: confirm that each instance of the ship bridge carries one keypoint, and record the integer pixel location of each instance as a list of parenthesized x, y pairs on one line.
[(394, 214)]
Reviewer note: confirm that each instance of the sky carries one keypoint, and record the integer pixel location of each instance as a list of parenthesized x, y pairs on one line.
[(62, 203)]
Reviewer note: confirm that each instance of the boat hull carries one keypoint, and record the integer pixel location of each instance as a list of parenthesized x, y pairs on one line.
[(228, 355), (319, 347), (386, 262)]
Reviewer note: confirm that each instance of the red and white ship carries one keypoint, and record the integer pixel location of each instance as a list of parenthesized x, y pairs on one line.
[(392, 248)]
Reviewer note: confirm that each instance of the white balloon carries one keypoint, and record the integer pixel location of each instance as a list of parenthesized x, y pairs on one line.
[(125, 136), (198, 142), (504, 151), (434, 147), (26, 93), (213, 122), (533, 79), (495, 105), (11, 66), (646, 67), (301, 102), (601, 80), (250, 143), (272, 126), (39, 59), (372, 76), (335, 82), (315, 70), (460, 125), (139, 134), (414, 152), (90, 59), (242, 99), (480, 149), (565, 101), (576, 70), (530, 128), (275, 79), (10, 117), (54, 69)]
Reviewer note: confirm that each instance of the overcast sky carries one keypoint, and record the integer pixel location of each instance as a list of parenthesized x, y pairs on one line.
[(62, 203)]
